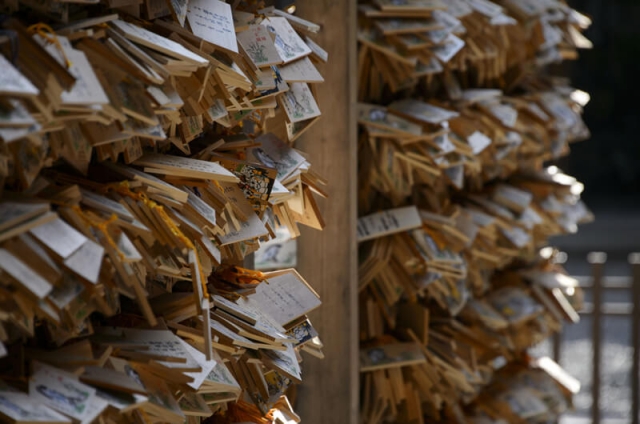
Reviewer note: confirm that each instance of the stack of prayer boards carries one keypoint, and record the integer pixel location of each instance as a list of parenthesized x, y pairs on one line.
[(457, 199), (407, 43), (146, 149)]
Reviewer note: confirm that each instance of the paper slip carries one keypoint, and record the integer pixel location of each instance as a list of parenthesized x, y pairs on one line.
[(400, 26), (212, 21), (110, 379), (61, 391), (288, 43), (180, 10), (203, 208), (134, 174), (503, 19), (456, 175), (68, 289), (223, 331), (519, 237), (378, 117), (388, 222), (96, 407), (391, 356), (436, 36), (449, 22), (299, 103), (161, 397), (14, 213), (217, 110), (221, 375), (444, 144), (87, 261), (286, 297), (187, 167), (194, 405), (13, 83), (157, 42), (421, 111), (506, 194), (448, 49), (244, 313), (258, 44), (274, 153), (60, 237), (9, 135), (507, 114), (87, 90), (16, 115), (252, 227), (432, 67), (478, 142), (277, 253), (318, 51), (481, 94), (410, 5), (302, 70), (161, 343), (243, 19), (458, 8), (485, 7), (286, 361), (566, 117), (24, 275), (206, 365), (21, 407), (105, 204)]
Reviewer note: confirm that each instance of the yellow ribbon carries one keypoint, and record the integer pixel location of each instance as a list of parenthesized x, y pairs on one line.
[(102, 226), (47, 33), (123, 189)]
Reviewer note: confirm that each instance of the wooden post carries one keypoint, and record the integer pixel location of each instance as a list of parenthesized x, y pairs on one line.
[(557, 346), (634, 260), (556, 340), (328, 259), (597, 261)]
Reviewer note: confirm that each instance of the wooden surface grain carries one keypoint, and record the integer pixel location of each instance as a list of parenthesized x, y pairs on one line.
[(328, 259)]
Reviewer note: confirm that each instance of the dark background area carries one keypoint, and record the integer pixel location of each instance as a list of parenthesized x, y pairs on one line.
[(609, 162), (609, 165)]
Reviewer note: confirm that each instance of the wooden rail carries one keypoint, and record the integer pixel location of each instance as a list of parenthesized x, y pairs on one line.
[(598, 309)]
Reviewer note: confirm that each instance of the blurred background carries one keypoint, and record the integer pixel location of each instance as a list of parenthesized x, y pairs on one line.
[(609, 166)]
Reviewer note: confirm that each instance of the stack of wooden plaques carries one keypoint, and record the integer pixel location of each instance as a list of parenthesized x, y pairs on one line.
[(146, 149), (457, 201), (484, 43), (453, 288), (464, 143)]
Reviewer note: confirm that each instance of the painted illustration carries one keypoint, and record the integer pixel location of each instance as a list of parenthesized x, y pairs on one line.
[(77, 403), (257, 52)]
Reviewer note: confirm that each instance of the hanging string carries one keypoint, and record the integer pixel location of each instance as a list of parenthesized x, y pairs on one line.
[(102, 226), (124, 189), (435, 237), (48, 34)]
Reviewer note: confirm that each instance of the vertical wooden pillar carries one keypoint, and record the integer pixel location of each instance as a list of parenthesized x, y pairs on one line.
[(597, 261), (328, 259)]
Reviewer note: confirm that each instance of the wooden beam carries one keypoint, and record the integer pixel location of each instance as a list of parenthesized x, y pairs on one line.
[(597, 261), (328, 259)]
